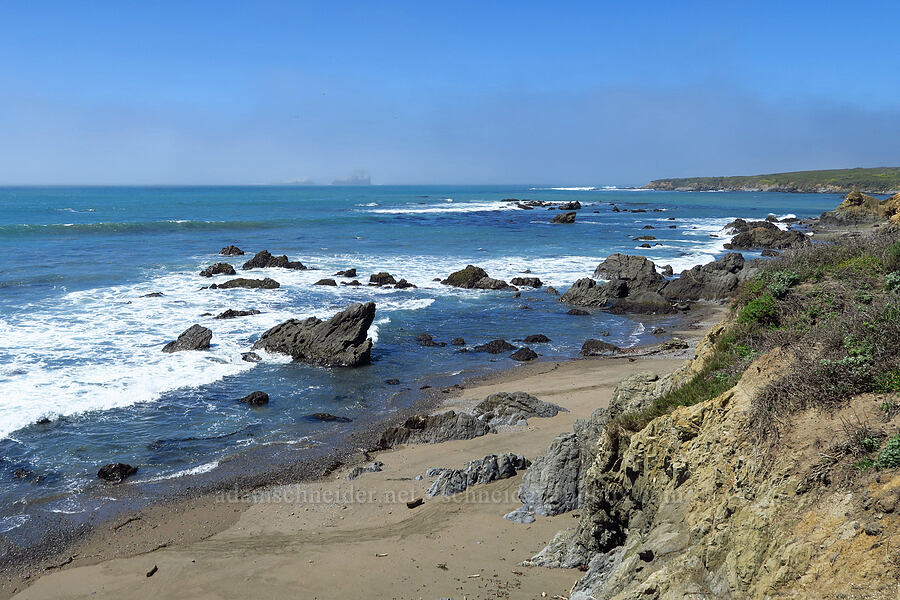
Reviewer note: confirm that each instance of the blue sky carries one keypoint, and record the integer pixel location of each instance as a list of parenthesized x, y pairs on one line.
[(418, 92)]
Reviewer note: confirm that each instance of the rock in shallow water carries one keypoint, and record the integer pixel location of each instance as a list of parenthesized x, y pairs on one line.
[(598, 348), (256, 398), (524, 355), (243, 282), (231, 251), (495, 347), (195, 337), (232, 314), (116, 472), (473, 277), (340, 341), (217, 269), (264, 260)]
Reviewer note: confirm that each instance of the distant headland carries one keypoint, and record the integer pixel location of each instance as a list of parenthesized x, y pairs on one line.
[(875, 180)]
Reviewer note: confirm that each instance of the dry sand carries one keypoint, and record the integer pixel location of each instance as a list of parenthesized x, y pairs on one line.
[(338, 539)]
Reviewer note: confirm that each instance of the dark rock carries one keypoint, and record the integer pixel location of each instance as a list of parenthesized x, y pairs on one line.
[(476, 472), (598, 348), (338, 342), (674, 344), (473, 277), (392, 381), (256, 398), (252, 357), (116, 472), (537, 339), (551, 290), (153, 295), (326, 282), (382, 278), (426, 340), (242, 282), (712, 281), (351, 283), (532, 282), (218, 269), (646, 246), (415, 503), (264, 260), (458, 342), (21, 473), (330, 418), (495, 347), (658, 331), (231, 313), (347, 273), (642, 238), (404, 284), (637, 272), (523, 355), (577, 312), (643, 303), (648, 227), (231, 251), (763, 237), (586, 292), (565, 218), (431, 429), (195, 337), (668, 271), (769, 253)]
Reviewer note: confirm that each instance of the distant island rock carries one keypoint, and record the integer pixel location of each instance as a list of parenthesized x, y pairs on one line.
[(876, 180)]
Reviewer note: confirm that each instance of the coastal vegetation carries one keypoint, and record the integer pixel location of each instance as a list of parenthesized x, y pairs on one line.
[(877, 180)]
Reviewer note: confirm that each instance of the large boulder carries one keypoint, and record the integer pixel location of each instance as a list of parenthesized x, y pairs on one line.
[(264, 260), (231, 251), (635, 393), (505, 408), (432, 429), (586, 292), (242, 282), (564, 219), (712, 281), (382, 278), (195, 337), (218, 269), (598, 348), (576, 205), (488, 469), (637, 272), (495, 347), (341, 341), (473, 277), (742, 226), (552, 485), (642, 303)]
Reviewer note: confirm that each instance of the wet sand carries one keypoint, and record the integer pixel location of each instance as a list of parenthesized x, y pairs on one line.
[(334, 538)]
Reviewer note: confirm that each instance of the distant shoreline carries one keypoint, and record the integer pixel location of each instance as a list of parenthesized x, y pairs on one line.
[(876, 180)]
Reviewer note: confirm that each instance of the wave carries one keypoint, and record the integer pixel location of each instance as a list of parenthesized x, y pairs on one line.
[(107, 227)]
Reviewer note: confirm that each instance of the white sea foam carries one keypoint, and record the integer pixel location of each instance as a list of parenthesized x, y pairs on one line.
[(204, 468), (11, 522), (457, 207)]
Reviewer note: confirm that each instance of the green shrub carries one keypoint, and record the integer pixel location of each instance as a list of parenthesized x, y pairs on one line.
[(889, 457), (759, 310), (888, 381), (892, 281), (781, 281)]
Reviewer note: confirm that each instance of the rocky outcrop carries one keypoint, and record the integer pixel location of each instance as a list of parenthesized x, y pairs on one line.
[(432, 429), (195, 337), (504, 408), (231, 251), (576, 205), (218, 269), (565, 218), (382, 278), (537, 338), (586, 292), (476, 472), (473, 277), (532, 282), (116, 472), (264, 260), (330, 282), (243, 282), (341, 341), (404, 285), (637, 392), (639, 271), (329, 418), (712, 281), (232, 314), (858, 208), (346, 273), (767, 237)]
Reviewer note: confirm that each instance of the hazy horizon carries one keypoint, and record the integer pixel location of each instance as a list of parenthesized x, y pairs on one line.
[(171, 94)]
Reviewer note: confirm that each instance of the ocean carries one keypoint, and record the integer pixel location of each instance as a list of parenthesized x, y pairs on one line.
[(84, 381)]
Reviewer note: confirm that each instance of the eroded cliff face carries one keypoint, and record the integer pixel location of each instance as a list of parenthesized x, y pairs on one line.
[(690, 507)]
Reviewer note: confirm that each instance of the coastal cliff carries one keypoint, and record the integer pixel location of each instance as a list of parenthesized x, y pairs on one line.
[(769, 466), (878, 180)]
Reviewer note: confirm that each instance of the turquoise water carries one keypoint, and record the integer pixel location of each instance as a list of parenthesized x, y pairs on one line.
[(79, 345)]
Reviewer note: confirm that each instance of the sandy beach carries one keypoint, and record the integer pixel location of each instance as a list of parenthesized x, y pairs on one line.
[(334, 538)]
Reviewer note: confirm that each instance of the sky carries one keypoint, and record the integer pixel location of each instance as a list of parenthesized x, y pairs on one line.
[(576, 93)]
